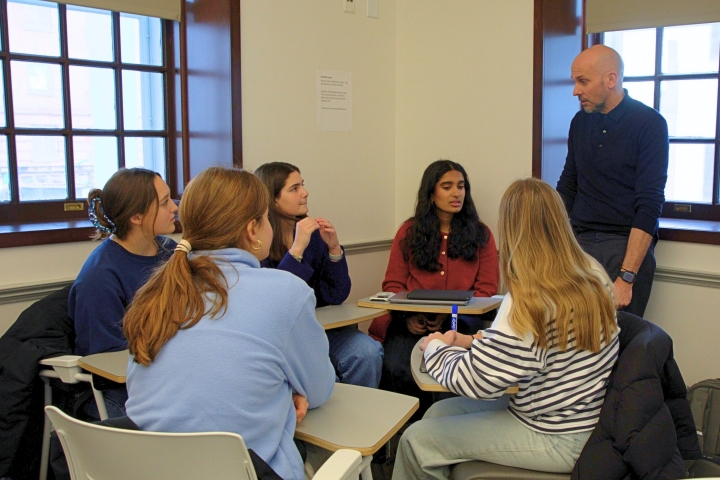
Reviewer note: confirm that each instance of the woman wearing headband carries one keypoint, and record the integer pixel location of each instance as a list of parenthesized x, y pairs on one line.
[(129, 214), (219, 343)]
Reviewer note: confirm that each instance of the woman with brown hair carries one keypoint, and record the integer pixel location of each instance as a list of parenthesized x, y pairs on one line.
[(308, 247), (219, 343), (130, 214), (555, 336)]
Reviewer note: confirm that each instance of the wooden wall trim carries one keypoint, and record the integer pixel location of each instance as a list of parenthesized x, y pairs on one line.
[(236, 81), (537, 137)]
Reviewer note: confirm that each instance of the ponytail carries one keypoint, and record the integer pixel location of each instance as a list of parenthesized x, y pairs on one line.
[(172, 300), (215, 210)]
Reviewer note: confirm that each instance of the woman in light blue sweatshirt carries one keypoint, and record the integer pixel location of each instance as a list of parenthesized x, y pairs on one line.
[(219, 343)]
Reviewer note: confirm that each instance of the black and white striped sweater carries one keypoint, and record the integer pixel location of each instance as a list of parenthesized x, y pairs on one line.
[(559, 391)]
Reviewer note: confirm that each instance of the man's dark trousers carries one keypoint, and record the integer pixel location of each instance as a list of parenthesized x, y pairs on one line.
[(609, 249)]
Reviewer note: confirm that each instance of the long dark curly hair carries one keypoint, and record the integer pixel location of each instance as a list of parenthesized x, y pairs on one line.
[(467, 233)]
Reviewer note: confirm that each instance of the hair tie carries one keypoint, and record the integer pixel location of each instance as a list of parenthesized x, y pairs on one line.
[(94, 219), (183, 246)]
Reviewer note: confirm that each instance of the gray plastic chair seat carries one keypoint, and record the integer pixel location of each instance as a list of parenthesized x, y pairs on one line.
[(477, 470)]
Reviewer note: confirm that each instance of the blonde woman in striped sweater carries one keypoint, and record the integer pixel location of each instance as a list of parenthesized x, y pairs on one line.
[(555, 336)]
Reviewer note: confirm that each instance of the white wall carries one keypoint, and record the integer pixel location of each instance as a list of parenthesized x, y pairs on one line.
[(25, 266), (464, 92), (350, 175), (690, 314)]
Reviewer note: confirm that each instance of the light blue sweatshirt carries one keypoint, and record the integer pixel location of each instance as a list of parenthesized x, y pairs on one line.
[(237, 373)]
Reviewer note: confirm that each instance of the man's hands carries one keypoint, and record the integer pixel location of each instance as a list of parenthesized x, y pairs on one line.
[(622, 292), (301, 406), (637, 247)]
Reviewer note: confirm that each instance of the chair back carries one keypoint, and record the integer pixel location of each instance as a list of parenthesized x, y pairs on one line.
[(104, 453)]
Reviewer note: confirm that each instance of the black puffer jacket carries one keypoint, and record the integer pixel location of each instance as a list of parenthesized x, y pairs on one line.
[(43, 330), (646, 428)]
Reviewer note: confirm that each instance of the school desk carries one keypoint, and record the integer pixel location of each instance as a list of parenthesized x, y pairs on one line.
[(357, 418), (110, 365), (336, 316), (475, 306), (425, 381), (113, 365)]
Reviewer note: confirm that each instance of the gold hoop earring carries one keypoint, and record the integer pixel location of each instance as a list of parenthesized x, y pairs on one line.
[(259, 246)]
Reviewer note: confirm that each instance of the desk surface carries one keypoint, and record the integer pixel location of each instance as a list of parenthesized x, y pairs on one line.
[(110, 365), (358, 418), (113, 365), (336, 316), (476, 306), (428, 383)]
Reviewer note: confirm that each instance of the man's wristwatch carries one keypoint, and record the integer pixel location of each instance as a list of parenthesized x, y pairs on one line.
[(628, 276)]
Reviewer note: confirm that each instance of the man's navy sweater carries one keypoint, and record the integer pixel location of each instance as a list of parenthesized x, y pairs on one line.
[(616, 169)]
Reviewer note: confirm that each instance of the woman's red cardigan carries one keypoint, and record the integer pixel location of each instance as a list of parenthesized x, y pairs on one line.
[(479, 275)]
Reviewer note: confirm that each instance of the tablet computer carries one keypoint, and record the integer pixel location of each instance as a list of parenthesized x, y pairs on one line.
[(434, 297), (450, 295)]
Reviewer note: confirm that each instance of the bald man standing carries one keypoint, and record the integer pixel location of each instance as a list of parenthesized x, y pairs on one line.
[(613, 183)]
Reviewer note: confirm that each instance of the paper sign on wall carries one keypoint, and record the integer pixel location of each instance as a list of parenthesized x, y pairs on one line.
[(334, 101)]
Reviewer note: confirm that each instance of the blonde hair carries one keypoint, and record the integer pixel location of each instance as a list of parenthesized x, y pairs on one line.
[(215, 210), (555, 286)]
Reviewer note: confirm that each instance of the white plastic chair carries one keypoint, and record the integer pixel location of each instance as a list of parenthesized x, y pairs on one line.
[(104, 453), (66, 369)]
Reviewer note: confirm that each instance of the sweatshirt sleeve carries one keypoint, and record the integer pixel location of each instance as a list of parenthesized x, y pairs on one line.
[(398, 270), (300, 269), (487, 277), (496, 361), (310, 372), (330, 280), (97, 311), (492, 364), (332, 283)]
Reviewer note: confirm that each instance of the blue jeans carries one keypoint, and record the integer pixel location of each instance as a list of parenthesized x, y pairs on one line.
[(609, 250), (462, 429), (115, 399), (357, 358)]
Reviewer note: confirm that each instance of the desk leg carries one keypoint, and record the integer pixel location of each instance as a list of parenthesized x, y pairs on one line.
[(365, 471), (45, 451), (99, 400), (102, 410)]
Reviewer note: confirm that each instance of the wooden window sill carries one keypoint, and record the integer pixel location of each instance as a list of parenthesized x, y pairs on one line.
[(692, 231), (47, 233)]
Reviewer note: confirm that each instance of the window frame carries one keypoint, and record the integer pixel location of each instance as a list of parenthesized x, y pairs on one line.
[(694, 211), (53, 221)]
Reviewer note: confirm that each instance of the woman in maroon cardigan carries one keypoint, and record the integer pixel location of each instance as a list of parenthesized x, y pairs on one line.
[(444, 246)]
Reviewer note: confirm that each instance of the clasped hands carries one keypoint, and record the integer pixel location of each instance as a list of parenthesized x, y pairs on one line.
[(304, 230)]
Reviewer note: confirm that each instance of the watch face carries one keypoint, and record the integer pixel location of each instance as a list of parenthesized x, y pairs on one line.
[(629, 277)]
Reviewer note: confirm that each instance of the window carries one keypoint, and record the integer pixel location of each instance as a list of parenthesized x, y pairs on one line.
[(675, 70), (83, 92)]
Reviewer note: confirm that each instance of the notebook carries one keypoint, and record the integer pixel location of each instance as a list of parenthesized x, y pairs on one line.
[(434, 297)]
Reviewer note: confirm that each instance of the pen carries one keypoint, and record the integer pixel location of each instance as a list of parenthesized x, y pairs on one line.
[(453, 321)]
